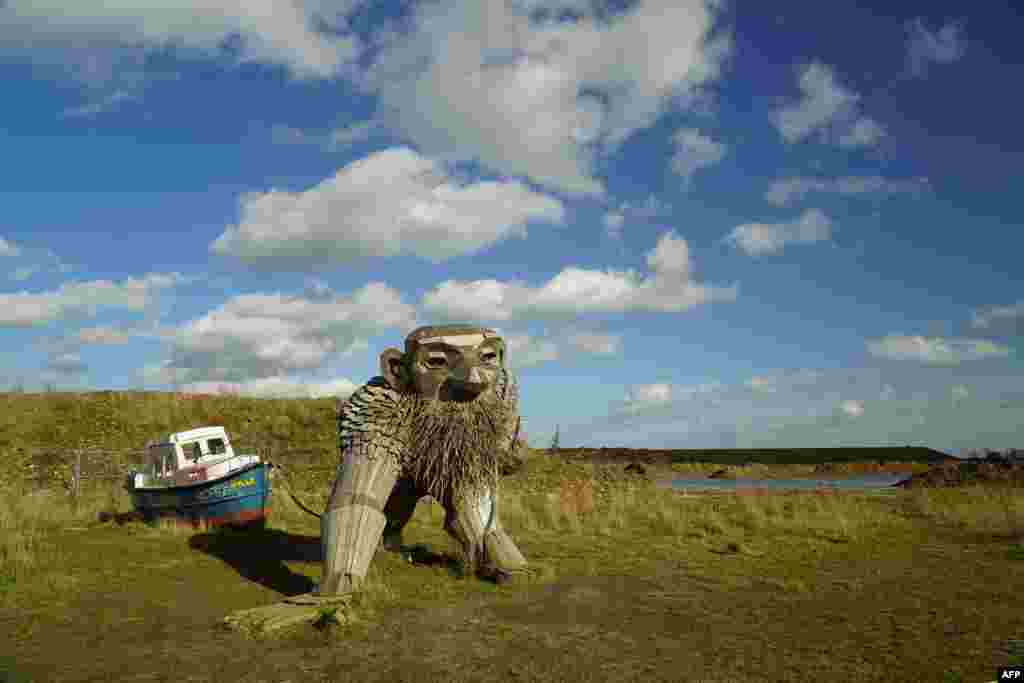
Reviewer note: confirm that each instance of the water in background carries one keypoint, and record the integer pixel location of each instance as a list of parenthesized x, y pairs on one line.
[(868, 481)]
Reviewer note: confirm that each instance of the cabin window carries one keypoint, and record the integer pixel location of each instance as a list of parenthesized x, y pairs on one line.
[(216, 446), (196, 451)]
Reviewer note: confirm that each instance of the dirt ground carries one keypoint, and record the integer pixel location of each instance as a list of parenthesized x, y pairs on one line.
[(146, 606)]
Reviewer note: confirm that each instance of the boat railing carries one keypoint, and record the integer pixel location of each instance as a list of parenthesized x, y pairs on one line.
[(225, 466), (216, 469)]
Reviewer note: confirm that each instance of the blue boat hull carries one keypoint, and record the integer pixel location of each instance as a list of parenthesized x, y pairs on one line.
[(239, 499)]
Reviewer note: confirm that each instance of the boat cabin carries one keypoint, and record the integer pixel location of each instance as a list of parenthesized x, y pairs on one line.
[(191, 456)]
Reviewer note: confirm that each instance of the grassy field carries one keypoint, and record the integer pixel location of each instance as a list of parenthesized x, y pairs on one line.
[(638, 582), (641, 583)]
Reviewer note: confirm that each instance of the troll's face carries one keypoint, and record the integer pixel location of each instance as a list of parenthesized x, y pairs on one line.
[(449, 363)]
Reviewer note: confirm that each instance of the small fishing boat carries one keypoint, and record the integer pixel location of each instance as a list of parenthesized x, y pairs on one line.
[(196, 478)]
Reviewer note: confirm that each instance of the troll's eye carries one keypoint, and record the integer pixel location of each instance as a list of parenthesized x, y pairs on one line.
[(436, 362), (489, 356)]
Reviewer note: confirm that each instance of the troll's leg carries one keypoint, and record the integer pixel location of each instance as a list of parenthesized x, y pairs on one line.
[(398, 511), (500, 550), (350, 528), (486, 546)]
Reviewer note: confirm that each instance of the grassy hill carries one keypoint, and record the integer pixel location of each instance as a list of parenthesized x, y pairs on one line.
[(39, 432)]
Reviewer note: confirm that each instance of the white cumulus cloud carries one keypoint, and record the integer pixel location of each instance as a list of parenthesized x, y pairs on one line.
[(256, 336), (337, 139), (349, 135), (103, 336), (935, 350), (274, 387), (26, 309), (659, 396), (107, 103), (8, 249), (66, 364), (543, 99), (809, 408), (994, 316), (281, 134), (525, 350), (576, 291), (694, 151), (757, 239), (615, 218), (788, 191), (613, 222), (651, 393), (852, 408), (596, 343), (863, 132), (941, 46), (389, 203), (268, 31), (826, 109)]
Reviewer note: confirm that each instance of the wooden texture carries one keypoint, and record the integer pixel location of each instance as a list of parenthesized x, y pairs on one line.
[(350, 536), (352, 525), (502, 550), (293, 612)]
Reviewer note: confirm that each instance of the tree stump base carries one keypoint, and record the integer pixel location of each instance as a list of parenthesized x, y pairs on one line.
[(308, 607), (293, 611)]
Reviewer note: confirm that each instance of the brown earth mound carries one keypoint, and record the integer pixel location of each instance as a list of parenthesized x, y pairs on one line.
[(967, 473), (610, 456), (861, 468)]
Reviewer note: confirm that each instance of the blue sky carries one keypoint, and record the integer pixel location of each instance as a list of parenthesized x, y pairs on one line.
[(698, 224)]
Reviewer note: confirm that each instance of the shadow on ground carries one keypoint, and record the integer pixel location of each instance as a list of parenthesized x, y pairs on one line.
[(422, 554), (260, 555), (120, 518)]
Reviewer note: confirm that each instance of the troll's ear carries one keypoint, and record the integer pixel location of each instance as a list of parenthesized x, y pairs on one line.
[(392, 367)]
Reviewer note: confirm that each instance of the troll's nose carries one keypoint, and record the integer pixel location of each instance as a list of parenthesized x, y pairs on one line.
[(469, 378)]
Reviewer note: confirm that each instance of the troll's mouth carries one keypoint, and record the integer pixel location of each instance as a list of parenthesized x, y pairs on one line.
[(460, 393)]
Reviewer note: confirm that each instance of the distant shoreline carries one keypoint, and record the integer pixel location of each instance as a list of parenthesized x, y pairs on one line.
[(755, 456)]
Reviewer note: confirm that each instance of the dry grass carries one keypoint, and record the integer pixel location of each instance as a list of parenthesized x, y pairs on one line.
[(572, 517), (655, 511), (31, 518), (994, 511), (584, 520), (577, 503)]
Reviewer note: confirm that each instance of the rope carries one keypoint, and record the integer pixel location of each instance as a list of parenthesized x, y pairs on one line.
[(494, 494), (288, 489)]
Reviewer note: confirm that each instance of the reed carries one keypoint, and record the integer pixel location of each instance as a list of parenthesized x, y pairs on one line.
[(988, 510)]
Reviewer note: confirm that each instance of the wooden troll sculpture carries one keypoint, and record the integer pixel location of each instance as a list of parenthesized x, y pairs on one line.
[(434, 423)]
